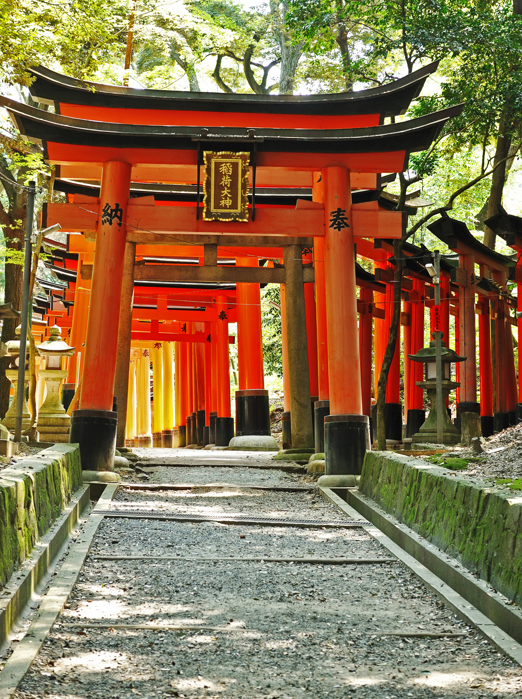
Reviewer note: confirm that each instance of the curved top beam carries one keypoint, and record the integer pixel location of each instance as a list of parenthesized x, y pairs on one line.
[(394, 98), (408, 136)]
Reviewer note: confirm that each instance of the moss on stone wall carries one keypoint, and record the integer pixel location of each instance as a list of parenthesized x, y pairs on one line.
[(33, 493), (479, 525)]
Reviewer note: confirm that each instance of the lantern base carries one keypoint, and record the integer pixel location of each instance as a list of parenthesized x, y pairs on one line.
[(415, 420), (321, 410), (224, 431), (252, 413), (200, 422), (487, 425), (95, 432), (286, 430), (346, 440)]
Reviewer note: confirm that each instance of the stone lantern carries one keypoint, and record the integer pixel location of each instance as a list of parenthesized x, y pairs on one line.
[(13, 351), (53, 422), (428, 431)]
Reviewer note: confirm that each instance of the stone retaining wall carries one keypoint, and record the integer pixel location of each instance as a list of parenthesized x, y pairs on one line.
[(479, 525), (33, 493)]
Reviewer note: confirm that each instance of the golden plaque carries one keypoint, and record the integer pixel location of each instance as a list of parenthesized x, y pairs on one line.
[(225, 186)]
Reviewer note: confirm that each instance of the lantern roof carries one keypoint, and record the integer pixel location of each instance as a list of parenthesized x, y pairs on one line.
[(427, 355), (55, 345)]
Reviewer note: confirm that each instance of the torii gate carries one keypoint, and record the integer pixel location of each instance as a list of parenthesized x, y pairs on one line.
[(143, 136)]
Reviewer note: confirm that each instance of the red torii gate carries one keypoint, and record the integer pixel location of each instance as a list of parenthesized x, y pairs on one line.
[(121, 152)]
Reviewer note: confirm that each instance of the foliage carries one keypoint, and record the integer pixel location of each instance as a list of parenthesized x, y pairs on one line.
[(271, 329)]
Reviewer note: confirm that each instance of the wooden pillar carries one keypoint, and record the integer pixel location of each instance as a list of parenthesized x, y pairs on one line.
[(130, 431), (143, 392), (296, 342), (486, 375), (82, 296), (415, 415), (95, 430), (311, 339), (365, 348), (510, 372), (168, 394), (250, 343), (346, 428), (468, 369), (286, 426), (519, 335), (323, 392), (124, 340), (208, 374), (224, 421), (157, 383)]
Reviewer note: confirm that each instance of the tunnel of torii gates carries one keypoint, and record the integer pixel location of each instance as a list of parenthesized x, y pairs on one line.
[(162, 266)]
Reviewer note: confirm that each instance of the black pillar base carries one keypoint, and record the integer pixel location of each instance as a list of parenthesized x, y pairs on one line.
[(466, 407), (321, 410), (500, 421), (252, 413), (392, 420), (313, 401), (95, 432), (182, 436), (415, 420), (512, 417), (286, 430), (224, 431), (188, 432), (200, 420), (167, 437), (346, 440), (68, 391), (212, 428), (487, 425), (206, 435), (519, 412)]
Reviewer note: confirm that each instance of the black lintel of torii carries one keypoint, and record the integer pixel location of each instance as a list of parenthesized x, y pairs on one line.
[(458, 237), (408, 136), (394, 98), (270, 196)]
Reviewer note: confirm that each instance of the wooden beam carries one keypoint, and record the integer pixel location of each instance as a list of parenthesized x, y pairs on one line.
[(181, 220), (231, 275), (180, 315), (157, 336)]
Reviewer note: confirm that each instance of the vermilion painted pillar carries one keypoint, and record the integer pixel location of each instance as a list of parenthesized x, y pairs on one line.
[(208, 382), (179, 433), (214, 384), (407, 330), (511, 376), (168, 395), (93, 426), (486, 377), (519, 335), (311, 333), (500, 415), (468, 369), (82, 296), (415, 415), (393, 387), (322, 405), (365, 348), (199, 350), (224, 422), (252, 403), (346, 428), (157, 383), (189, 405)]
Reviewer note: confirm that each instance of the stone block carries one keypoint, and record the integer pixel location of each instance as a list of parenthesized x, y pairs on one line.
[(470, 428)]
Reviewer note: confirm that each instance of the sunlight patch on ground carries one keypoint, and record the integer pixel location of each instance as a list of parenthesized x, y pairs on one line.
[(447, 679), (92, 662)]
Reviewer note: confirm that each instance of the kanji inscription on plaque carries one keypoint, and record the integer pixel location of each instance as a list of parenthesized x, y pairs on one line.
[(225, 186)]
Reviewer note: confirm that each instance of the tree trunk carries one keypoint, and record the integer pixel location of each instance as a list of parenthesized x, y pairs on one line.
[(14, 275), (498, 179), (390, 347)]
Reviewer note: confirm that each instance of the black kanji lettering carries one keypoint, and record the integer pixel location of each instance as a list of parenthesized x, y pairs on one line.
[(338, 219), (222, 315), (110, 214)]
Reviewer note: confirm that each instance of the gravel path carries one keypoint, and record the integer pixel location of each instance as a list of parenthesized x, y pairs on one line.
[(254, 630)]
